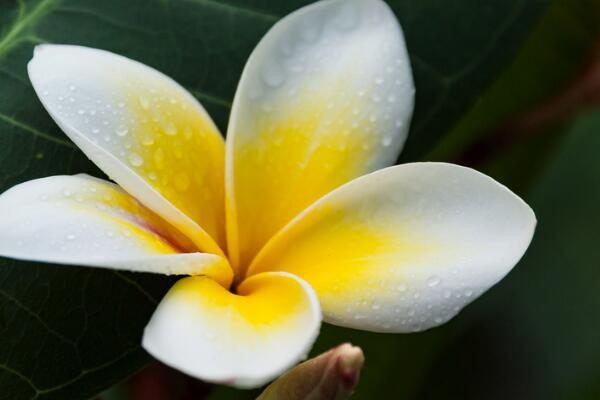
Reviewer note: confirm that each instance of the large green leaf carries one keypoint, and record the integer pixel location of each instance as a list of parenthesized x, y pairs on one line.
[(554, 55), (66, 333)]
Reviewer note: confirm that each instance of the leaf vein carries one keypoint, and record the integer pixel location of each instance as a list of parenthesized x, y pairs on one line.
[(35, 316), (236, 9), (21, 125)]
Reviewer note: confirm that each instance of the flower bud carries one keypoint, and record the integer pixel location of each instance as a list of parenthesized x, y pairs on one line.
[(330, 376)]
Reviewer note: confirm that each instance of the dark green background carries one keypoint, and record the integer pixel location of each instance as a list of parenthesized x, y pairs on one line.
[(69, 333)]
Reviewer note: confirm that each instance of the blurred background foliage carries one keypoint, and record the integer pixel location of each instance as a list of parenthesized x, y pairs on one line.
[(511, 88)]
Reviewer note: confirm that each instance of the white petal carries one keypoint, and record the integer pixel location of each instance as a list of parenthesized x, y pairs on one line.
[(85, 221), (405, 248), (326, 96), (143, 129), (244, 339)]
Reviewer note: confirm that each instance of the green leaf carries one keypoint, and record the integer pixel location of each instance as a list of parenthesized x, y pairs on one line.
[(553, 55), (67, 333)]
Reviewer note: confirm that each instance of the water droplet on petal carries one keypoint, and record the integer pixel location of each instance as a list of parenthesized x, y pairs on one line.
[(433, 281), (182, 182), (159, 158), (187, 133), (121, 130), (148, 140), (144, 102), (135, 159), (273, 74), (171, 129)]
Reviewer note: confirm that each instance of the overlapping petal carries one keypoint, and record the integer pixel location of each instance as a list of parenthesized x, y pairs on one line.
[(404, 248), (243, 339), (325, 97), (86, 221), (143, 129)]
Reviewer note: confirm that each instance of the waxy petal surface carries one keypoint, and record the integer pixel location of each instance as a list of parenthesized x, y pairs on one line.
[(243, 339), (405, 248), (143, 129), (325, 97), (86, 221)]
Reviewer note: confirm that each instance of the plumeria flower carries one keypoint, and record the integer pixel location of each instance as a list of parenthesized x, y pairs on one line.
[(283, 224)]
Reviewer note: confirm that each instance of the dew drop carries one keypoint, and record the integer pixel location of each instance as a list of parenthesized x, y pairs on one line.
[(401, 287), (187, 133), (433, 281), (182, 182), (121, 130), (70, 237), (148, 140), (135, 159), (273, 75), (144, 102), (386, 141), (171, 129), (159, 158)]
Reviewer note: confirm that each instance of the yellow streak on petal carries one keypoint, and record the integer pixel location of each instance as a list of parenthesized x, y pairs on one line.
[(178, 150), (133, 219), (304, 147), (343, 256), (263, 303)]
